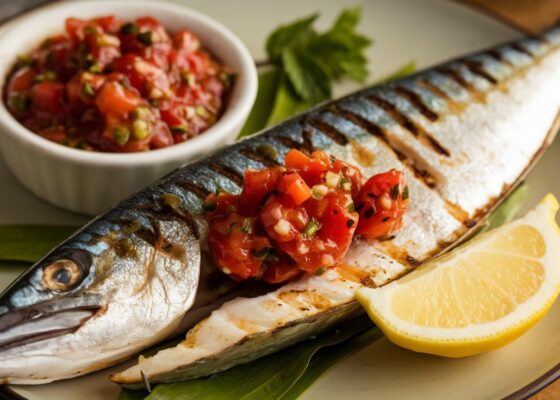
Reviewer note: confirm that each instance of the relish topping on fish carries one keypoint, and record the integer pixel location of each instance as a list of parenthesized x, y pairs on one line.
[(301, 217), (118, 86)]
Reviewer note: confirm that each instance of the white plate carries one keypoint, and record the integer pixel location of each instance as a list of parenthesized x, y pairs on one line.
[(427, 32)]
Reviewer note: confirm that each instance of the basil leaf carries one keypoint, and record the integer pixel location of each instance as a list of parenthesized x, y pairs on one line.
[(306, 75), (30, 242), (291, 35)]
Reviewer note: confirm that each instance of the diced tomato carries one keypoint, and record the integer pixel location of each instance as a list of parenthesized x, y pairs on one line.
[(315, 236), (113, 98), (294, 186), (312, 169), (21, 80), (351, 173), (108, 23), (256, 185), (185, 40), (161, 136), (235, 246), (382, 203), (86, 82), (48, 96), (75, 29)]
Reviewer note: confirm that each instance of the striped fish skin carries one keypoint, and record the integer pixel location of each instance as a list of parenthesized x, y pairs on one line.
[(458, 132), (464, 133)]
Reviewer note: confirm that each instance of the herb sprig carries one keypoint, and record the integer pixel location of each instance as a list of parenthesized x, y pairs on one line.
[(303, 64)]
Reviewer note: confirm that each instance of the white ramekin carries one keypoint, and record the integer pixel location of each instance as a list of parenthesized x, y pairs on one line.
[(91, 182)]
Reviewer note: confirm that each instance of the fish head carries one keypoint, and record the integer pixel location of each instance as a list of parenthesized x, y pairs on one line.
[(103, 295)]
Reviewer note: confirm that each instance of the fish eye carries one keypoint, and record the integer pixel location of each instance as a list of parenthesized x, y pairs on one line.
[(62, 275)]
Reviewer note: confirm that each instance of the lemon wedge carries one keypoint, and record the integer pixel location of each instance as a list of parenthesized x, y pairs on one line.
[(479, 296)]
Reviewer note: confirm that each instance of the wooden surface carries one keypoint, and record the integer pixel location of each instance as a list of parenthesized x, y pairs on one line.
[(531, 16)]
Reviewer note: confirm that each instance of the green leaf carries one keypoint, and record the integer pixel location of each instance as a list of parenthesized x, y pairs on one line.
[(30, 242), (286, 104), (348, 19), (274, 376), (291, 35), (509, 208), (268, 86), (306, 75), (126, 394), (402, 72), (325, 359)]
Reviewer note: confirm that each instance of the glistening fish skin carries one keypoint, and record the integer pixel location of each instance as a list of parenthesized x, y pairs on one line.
[(464, 133), (124, 282)]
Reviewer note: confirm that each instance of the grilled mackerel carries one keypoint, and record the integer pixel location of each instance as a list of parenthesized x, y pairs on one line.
[(464, 133)]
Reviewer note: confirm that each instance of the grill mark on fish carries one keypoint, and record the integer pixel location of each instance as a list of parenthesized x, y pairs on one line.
[(498, 57), (193, 188), (457, 78), (405, 122), (414, 99), (330, 131), (308, 139), (256, 156), (290, 143), (228, 172), (375, 130), (453, 105), (517, 46), (457, 212), (477, 68), (413, 262)]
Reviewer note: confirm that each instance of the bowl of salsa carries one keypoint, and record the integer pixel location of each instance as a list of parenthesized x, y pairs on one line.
[(97, 106)]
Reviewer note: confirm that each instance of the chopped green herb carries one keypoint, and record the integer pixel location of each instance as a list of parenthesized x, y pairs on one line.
[(201, 111), (90, 29), (346, 184), (141, 113), (129, 28), (187, 78), (229, 230), (121, 134), (405, 193), (351, 207), (264, 253), (246, 227), (125, 82), (87, 89), (179, 129), (141, 129), (395, 190), (311, 228), (321, 271), (96, 68), (209, 205), (19, 103), (25, 60), (145, 38), (45, 76)]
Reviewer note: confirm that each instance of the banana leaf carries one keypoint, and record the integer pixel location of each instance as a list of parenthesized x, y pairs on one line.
[(283, 375), (28, 243)]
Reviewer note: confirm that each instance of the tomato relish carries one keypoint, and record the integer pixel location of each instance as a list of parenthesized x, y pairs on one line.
[(301, 217), (116, 86)]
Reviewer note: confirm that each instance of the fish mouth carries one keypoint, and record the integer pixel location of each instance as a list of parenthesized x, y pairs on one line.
[(46, 320)]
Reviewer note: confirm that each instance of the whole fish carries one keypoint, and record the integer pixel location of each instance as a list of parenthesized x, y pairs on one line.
[(464, 133)]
